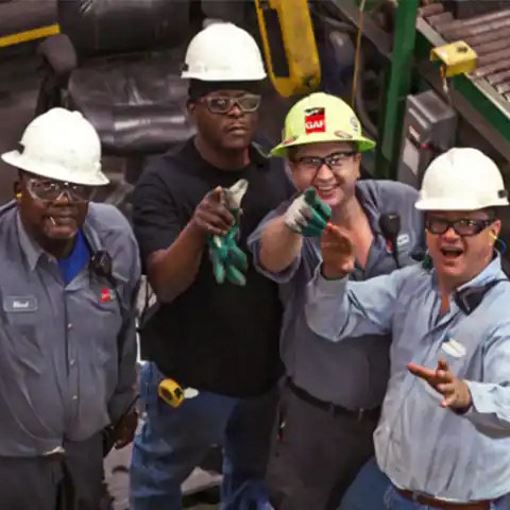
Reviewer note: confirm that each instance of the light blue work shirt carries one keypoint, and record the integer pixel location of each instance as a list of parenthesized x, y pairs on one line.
[(419, 445), (67, 351), (351, 374)]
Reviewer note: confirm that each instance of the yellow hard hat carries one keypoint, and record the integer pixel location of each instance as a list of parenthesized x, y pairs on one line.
[(321, 117)]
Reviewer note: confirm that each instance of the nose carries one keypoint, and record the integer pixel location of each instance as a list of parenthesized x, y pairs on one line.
[(450, 235), (64, 198), (235, 111), (324, 173)]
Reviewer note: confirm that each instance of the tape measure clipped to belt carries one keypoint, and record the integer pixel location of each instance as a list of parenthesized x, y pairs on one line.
[(173, 393)]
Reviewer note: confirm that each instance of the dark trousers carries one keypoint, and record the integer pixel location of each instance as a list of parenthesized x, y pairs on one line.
[(315, 454), (48, 483)]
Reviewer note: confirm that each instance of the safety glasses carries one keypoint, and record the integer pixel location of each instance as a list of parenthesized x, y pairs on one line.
[(336, 161), (222, 104), (463, 227), (49, 190)]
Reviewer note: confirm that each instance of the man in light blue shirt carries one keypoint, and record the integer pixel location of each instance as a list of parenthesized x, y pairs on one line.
[(444, 434)]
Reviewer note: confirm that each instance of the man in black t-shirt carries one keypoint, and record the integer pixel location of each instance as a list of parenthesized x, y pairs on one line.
[(220, 339)]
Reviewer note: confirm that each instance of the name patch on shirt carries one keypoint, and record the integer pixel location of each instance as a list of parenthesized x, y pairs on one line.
[(454, 348), (20, 304)]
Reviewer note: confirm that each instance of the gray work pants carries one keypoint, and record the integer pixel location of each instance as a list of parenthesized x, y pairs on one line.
[(316, 455), (47, 483)]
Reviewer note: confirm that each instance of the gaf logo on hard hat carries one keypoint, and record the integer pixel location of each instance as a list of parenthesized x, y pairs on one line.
[(315, 120)]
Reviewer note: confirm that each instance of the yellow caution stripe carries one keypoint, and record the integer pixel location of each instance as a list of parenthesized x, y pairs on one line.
[(29, 35)]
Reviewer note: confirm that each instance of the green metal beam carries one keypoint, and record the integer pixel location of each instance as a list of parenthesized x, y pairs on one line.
[(398, 83)]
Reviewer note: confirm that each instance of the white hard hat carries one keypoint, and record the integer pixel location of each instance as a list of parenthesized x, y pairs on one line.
[(223, 52), (61, 145), (462, 180)]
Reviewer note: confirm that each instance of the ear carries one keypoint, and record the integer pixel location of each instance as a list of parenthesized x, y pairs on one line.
[(191, 108), (495, 228), (17, 190), (357, 164)]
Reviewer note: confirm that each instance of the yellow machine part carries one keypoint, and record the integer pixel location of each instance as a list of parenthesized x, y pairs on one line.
[(29, 35), (456, 58), (289, 45), (171, 392)]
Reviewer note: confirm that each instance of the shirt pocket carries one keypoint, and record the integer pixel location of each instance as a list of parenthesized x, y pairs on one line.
[(22, 341)]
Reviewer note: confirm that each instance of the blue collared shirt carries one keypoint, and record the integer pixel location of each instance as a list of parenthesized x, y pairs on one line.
[(352, 374), (419, 445), (67, 352)]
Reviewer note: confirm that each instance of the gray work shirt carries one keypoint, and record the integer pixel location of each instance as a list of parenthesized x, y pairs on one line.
[(352, 373), (67, 352)]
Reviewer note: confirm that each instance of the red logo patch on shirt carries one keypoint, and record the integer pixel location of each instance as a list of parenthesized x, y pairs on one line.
[(106, 295), (315, 120)]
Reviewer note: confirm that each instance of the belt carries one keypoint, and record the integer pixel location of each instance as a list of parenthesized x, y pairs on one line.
[(334, 409), (444, 505)]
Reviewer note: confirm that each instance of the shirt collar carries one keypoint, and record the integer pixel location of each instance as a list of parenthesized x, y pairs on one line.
[(490, 272), (33, 251), (30, 248)]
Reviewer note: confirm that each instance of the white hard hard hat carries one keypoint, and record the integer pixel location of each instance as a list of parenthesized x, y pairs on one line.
[(223, 52), (462, 179), (61, 145)]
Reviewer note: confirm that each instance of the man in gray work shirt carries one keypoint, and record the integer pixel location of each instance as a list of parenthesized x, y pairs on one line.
[(333, 392), (67, 339)]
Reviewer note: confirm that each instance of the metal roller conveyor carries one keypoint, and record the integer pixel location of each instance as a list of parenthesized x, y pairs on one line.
[(488, 35)]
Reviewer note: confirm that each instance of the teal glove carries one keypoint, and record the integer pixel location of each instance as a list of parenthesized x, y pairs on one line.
[(308, 215), (228, 260)]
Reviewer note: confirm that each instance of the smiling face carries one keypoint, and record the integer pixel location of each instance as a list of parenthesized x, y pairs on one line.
[(460, 255), (332, 168)]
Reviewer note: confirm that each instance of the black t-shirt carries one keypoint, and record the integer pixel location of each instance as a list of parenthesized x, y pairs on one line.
[(220, 338)]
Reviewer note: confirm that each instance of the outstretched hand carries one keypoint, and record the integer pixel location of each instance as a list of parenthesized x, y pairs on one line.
[(454, 390), (337, 253)]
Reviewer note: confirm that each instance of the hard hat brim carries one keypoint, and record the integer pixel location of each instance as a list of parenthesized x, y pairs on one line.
[(51, 171), (447, 204), (363, 144)]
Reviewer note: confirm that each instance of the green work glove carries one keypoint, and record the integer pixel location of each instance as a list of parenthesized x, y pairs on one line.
[(228, 260), (308, 215)]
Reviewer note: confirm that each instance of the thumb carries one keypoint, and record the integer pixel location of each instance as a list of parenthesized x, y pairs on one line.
[(310, 195), (217, 194)]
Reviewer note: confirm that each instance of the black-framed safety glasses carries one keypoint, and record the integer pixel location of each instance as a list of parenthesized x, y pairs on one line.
[(464, 227), (248, 103), (335, 162), (49, 190)]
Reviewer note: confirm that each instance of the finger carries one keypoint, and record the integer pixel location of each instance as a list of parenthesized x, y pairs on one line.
[(218, 267), (238, 257), (442, 364), (422, 372), (443, 376), (449, 401), (323, 209), (446, 388), (310, 195), (213, 223), (221, 212), (216, 194), (235, 276)]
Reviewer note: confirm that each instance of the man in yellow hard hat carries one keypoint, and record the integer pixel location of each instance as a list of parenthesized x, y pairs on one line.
[(332, 394)]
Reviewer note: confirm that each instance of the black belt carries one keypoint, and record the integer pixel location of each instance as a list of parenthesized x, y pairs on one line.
[(334, 409)]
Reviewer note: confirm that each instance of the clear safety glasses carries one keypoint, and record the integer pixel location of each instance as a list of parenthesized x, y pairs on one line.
[(336, 161), (221, 104), (50, 190)]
